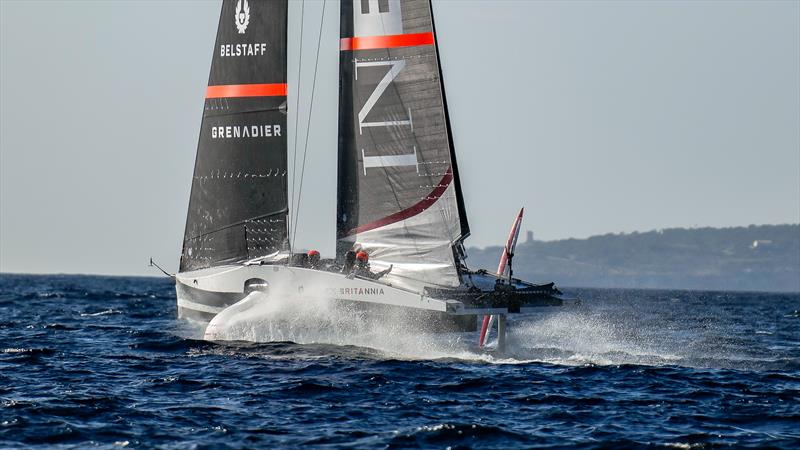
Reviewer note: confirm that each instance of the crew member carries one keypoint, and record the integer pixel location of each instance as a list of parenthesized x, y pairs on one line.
[(362, 267), (349, 262), (313, 261)]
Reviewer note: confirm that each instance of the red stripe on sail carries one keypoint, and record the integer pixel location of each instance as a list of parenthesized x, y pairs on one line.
[(390, 41), (411, 211), (246, 90)]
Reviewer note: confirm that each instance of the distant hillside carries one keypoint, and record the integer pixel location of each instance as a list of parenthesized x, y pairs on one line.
[(758, 257)]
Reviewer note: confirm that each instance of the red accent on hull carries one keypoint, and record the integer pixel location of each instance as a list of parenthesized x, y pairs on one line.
[(391, 41), (411, 211), (484, 329), (246, 90), (511, 243)]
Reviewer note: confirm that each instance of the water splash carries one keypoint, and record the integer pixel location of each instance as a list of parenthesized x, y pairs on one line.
[(579, 337), (562, 336), (282, 318)]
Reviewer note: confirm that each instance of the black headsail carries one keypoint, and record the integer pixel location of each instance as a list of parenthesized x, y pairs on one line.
[(238, 204), (398, 196)]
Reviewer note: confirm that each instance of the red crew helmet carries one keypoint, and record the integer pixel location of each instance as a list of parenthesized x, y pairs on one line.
[(362, 256), (313, 254)]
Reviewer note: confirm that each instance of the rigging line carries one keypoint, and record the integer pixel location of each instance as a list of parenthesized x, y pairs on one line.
[(308, 122), (296, 118)]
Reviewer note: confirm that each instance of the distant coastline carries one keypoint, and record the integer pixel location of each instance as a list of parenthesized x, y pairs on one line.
[(753, 258)]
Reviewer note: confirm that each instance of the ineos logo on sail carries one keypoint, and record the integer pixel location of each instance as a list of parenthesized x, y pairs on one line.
[(385, 19)]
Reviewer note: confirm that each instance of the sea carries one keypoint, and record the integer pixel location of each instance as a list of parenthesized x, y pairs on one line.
[(103, 362)]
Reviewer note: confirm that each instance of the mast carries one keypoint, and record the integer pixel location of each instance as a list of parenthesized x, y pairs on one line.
[(398, 192), (239, 200)]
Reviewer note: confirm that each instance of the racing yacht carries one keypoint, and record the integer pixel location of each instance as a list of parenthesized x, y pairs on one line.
[(399, 190)]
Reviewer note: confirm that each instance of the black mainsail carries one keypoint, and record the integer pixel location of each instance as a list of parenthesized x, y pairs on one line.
[(239, 201), (398, 189)]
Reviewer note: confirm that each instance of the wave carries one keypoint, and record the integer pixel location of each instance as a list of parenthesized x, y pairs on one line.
[(101, 313)]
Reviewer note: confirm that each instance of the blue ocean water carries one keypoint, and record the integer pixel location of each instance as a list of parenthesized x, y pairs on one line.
[(102, 362)]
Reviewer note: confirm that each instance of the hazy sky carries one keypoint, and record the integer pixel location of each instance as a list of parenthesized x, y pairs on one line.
[(596, 116)]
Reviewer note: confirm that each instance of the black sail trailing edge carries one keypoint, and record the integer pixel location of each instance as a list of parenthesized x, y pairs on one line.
[(398, 189), (239, 199)]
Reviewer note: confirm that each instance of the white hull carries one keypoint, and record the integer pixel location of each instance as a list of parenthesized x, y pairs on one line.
[(222, 296), (229, 282)]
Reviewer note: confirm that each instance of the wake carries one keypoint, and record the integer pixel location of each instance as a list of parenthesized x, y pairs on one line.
[(565, 337)]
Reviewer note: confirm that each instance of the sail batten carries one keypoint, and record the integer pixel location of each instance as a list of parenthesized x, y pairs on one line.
[(398, 192), (239, 201)]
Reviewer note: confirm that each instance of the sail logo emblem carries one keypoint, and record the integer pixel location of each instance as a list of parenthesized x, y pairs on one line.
[(242, 16)]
